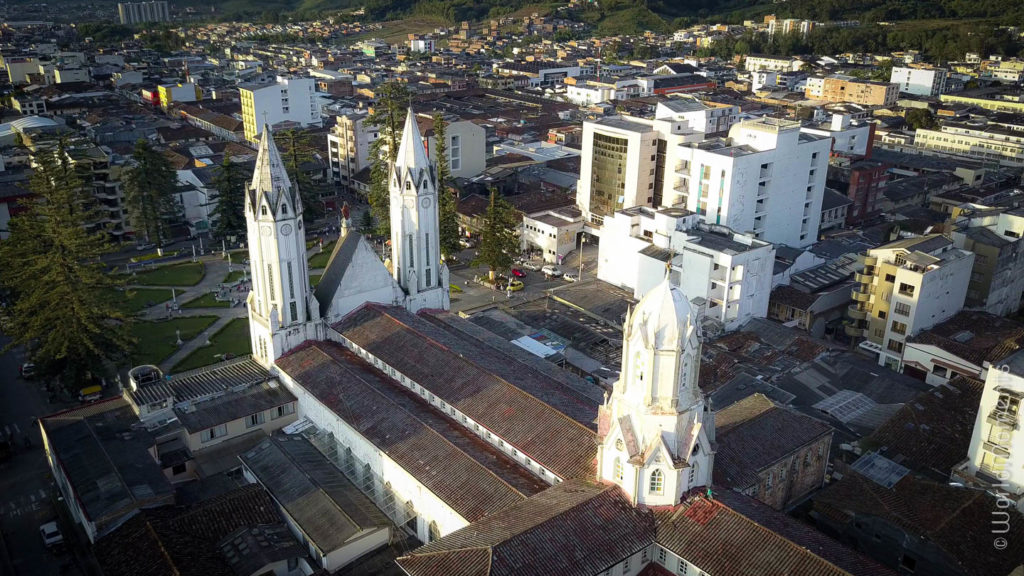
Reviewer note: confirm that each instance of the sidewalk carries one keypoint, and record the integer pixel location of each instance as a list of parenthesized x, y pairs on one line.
[(197, 342)]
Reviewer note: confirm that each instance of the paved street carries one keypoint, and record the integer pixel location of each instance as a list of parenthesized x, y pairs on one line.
[(26, 489)]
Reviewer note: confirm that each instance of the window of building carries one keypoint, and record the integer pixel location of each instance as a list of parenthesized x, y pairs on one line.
[(769, 481), (890, 278), (657, 483), (899, 328), (683, 569), (282, 410), (662, 556), (895, 346), (882, 314), (215, 432), (645, 556), (455, 153), (901, 308), (179, 469), (270, 281), (263, 210), (254, 420), (906, 289), (618, 469), (434, 533), (284, 209)]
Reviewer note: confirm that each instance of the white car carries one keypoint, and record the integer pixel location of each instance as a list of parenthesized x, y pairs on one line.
[(51, 534), (531, 265), (551, 271), (569, 277)]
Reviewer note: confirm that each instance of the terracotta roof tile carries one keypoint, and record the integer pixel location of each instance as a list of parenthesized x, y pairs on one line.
[(471, 476)]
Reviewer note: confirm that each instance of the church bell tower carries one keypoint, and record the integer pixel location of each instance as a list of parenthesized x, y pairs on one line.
[(415, 231), (282, 310), (656, 433)]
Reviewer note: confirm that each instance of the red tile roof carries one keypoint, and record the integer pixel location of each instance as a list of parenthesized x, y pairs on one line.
[(465, 472), (577, 528), (719, 540), (988, 337), (535, 413)]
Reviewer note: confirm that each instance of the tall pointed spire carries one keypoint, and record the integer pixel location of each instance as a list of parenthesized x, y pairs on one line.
[(270, 179), (411, 153)]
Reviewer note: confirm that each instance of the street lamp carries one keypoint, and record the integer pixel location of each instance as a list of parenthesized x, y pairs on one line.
[(582, 239)]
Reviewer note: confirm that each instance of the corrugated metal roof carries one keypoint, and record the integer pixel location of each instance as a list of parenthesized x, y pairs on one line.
[(201, 382)]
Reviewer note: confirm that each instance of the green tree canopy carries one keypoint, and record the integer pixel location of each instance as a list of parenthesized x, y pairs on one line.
[(230, 181), (499, 242), (388, 115), (447, 197), (149, 193), (62, 298), (297, 150)]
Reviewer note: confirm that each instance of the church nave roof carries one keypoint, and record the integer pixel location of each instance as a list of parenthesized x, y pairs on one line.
[(471, 476), (512, 399)]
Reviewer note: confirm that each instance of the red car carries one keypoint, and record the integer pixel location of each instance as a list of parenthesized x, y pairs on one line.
[(518, 273)]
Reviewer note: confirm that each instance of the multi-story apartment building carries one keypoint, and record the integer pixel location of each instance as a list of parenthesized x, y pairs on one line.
[(988, 143), (711, 118), (995, 456), (767, 179), (838, 88), (143, 12), (862, 181), (906, 286), (729, 275), (920, 80), (284, 100), (348, 146), (778, 63), (993, 235), (179, 92), (995, 100)]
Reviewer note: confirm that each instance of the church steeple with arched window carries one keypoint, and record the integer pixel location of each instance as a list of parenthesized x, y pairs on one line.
[(415, 230), (656, 433)]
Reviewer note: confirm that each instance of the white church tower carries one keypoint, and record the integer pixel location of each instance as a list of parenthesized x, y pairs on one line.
[(415, 231), (282, 310), (656, 435)]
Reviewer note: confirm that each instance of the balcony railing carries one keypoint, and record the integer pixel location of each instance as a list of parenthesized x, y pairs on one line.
[(860, 295), (856, 312), (1002, 418)]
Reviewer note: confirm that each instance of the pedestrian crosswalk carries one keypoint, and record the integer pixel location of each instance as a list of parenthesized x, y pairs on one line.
[(35, 503), (12, 430)]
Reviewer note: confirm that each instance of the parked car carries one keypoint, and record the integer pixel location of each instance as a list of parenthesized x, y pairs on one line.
[(531, 265), (467, 243), (518, 273), (90, 394), (145, 246), (569, 277), (551, 271), (51, 534), (28, 370)]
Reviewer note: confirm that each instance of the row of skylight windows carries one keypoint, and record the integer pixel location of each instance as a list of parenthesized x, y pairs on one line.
[(456, 415)]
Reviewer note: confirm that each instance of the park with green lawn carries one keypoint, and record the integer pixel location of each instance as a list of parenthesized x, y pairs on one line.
[(208, 300), (181, 274), (232, 341), (157, 340)]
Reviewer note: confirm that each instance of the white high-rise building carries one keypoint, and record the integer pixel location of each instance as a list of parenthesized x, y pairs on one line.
[(285, 100), (655, 432), (143, 12), (995, 457), (767, 179), (415, 232), (348, 146), (923, 80), (282, 310)]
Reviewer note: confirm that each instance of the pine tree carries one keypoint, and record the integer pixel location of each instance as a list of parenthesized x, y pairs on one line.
[(296, 150), (230, 182), (63, 305), (149, 193), (447, 197), (388, 116), (499, 242)]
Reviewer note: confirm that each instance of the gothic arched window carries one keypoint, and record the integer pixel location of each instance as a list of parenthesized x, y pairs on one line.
[(657, 483), (618, 469), (434, 532)]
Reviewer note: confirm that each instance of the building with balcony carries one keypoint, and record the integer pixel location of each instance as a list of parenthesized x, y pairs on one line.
[(839, 88), (995, 457), (766, 179), (905, 287), (727, 274), (348, 147), (993, 235)]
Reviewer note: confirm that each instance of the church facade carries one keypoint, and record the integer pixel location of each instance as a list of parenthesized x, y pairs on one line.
[(466, 441)]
